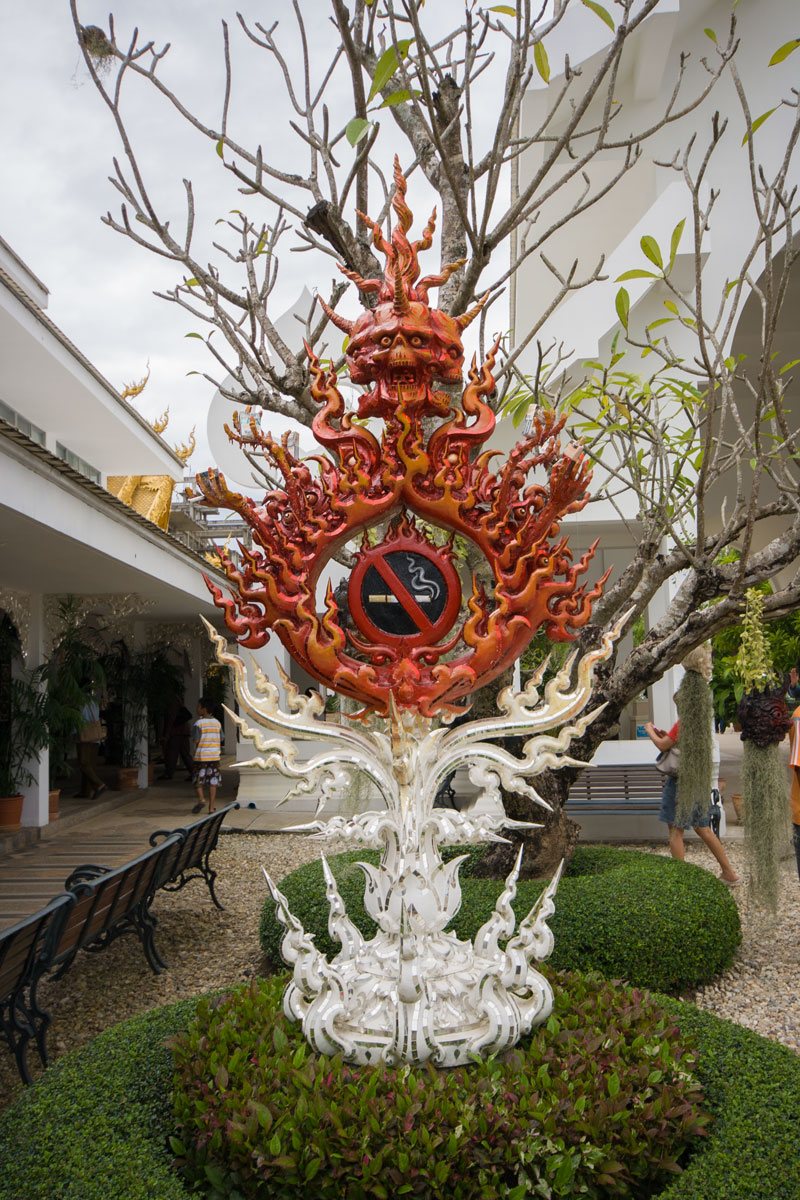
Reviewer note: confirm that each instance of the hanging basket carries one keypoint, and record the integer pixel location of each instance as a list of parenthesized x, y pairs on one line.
[(764, 717)]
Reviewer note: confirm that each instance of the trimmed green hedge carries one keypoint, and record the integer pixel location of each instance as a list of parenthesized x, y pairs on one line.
[(96, 1125), (644, 918)]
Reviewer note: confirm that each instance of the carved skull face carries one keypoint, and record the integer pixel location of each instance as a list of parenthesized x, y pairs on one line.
[(410, 348)]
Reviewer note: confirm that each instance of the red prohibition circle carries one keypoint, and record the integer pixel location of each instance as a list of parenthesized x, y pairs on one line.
[(404, 592)]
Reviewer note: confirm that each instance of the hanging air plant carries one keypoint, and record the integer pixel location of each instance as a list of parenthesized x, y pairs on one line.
[(696, 715), (765, 722)]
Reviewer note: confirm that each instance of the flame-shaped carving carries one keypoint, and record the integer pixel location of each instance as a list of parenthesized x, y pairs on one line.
[(400, 350)]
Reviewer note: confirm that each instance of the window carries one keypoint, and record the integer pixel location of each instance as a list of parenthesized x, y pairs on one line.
[(77, 463), (22, 423)]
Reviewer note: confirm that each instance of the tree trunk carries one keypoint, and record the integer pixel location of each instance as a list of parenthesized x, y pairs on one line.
[(545, 847), (557, 835)]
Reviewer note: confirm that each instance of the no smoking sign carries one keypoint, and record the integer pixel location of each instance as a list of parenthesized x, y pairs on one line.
[(404, 591)]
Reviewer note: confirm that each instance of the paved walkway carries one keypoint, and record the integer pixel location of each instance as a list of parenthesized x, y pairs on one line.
[(117, 828), (110, 832)]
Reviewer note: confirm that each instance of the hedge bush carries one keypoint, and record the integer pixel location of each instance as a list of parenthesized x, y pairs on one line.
[(96, 1125), (644, 918), (601, 1101)]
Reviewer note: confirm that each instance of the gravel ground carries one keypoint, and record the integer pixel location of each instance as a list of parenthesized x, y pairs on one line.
[(206, 948)]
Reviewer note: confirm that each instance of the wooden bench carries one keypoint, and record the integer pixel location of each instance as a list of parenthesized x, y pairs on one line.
[(109, 903), (98, 906), (26, 952), (189, 858), (634, 790)]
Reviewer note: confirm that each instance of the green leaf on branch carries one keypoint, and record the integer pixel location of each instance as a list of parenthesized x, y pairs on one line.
[(675, 241), (541, 60), (623, 305), (637, 273), (789, 365), (783, 52), (671, 306), (197, 335), (398, 98), (220, 146), (192, 283), (386, 66), (759, 121), (601, 12), (504, 8), (356, 130), (650, 249)]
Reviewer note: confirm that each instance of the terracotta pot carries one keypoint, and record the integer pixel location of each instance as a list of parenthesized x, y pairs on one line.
[(736, 801), (127, 779), (55, 798), (10, 814)]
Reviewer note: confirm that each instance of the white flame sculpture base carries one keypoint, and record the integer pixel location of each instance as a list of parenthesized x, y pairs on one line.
[(415, 992)]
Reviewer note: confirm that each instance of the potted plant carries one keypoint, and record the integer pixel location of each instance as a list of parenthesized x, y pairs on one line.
[(23, 726), (765, 722), (164, 692), (73, 675), (126, 680)]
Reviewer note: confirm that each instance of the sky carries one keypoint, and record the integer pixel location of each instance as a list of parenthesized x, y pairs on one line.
[(57, 143)]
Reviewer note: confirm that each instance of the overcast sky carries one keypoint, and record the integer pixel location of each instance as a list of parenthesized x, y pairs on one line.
[(57, 141)]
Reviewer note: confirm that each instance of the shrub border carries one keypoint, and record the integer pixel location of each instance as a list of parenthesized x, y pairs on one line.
[(654, 922), (94, 1126)]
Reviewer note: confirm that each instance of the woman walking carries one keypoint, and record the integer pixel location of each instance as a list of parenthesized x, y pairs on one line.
[(699, 818)]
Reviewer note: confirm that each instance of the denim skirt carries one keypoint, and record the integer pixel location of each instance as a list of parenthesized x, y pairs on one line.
[(699, 818)]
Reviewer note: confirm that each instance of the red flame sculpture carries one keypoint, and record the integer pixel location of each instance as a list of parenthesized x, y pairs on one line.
[(405, 594)]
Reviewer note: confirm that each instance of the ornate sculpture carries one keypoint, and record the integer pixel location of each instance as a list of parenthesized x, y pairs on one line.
[(411, 654)]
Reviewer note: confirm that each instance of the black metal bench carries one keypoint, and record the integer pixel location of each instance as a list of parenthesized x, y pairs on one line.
[(622, 790), (26, 952), (110, 902), (189, 858), (99, 905)]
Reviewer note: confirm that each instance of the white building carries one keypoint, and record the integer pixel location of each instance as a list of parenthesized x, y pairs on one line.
[(64, 431), (652, 200)]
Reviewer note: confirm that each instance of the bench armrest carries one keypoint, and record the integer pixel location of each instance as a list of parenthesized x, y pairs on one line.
[(87, 871), (160, 834)]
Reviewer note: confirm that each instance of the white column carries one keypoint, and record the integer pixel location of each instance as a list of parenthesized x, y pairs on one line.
[(194, 688), (36, 805)]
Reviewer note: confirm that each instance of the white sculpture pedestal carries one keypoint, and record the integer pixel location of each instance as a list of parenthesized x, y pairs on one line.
[(415, 992)]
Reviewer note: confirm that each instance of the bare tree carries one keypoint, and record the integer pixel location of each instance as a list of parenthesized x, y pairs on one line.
[(431, 89), (701, 428)]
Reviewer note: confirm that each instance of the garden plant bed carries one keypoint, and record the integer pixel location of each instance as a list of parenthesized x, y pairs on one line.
[(97, 1126), (208, 949)]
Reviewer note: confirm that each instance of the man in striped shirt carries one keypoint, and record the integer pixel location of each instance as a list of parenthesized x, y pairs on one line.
[(208, 735), (794, 763)]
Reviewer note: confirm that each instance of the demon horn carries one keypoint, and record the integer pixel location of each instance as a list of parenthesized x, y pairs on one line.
[(469, 316), (400, 302), (339, 321), (430, 281)]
